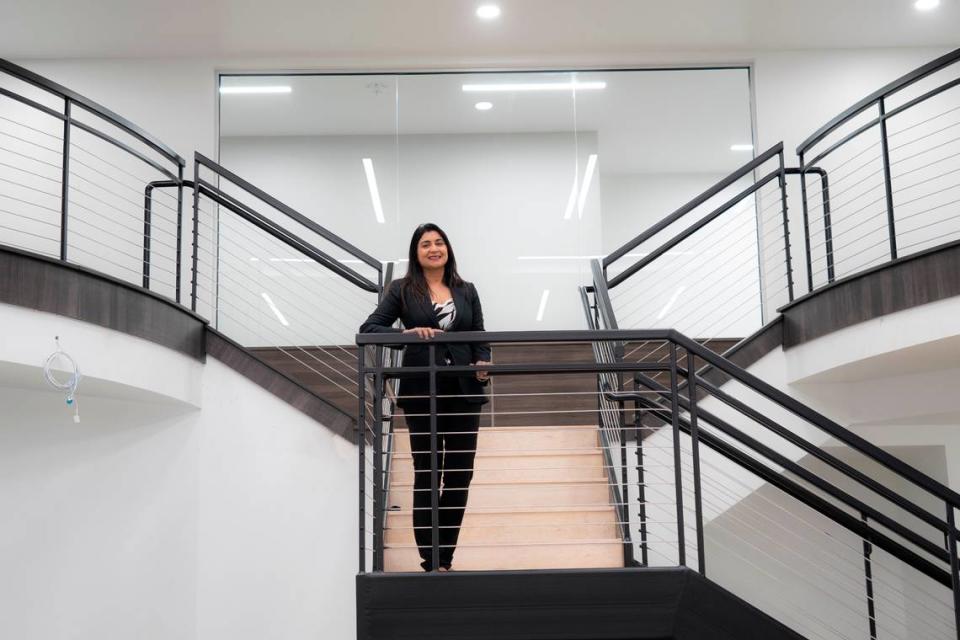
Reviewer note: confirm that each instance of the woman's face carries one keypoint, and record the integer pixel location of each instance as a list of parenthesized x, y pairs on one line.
[(432, 251)]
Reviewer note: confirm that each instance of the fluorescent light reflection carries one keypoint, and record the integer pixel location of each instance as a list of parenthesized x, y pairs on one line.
[(670, 302), (535, 86), (374, 191), (572, 200), (926, 5), (255, 90), (741, 147), (483, 106), (578, 196), (543, 304), (273, 307), (587, 179)]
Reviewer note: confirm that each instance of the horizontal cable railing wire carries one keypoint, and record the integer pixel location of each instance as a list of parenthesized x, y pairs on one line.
[(893, 161), (72, 175), (719, 266), (278, 283)]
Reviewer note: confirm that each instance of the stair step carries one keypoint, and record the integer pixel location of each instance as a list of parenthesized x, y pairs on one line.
[(529, 493), (564, 555), (402, 474), (518, 439), (503, 526)]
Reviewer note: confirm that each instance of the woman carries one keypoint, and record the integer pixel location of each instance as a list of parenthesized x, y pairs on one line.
[(432, 299)]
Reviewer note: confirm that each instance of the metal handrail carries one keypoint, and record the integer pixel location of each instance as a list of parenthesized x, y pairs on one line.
[(887, 90), (72, 96), (746, 170), (290, 212)]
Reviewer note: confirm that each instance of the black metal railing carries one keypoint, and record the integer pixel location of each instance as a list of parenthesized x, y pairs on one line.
[(278, 283), (72, 176), (894, 161), (760, 497), (719, 266)]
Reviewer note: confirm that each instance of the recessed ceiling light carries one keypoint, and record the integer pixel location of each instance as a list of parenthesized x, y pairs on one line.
[(535, 86), (483, 106), (488, 11), (254, 90), (926, 5), (741, 147)]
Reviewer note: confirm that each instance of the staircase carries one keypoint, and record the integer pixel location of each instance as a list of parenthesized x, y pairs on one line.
[(539, 499)]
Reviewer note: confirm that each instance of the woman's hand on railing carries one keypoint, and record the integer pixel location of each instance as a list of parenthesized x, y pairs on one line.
[(482, 376), (424, 332)]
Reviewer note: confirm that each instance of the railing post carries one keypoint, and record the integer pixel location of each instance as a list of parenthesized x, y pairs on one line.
[(954, 566), (179, 229), (806, 223), (434, 466), (675, 419), (827, 224), (378, 497), (196, 235), (641, 486), (887, 179), (695, 450), (624, 508), (147, 215), (786, 226), (65, 179), (868, 577), (361, 422)]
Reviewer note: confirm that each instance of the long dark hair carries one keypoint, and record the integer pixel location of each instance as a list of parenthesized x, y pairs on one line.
[(415, 281)]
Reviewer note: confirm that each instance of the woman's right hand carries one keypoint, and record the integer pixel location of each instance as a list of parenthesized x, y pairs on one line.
[(424, 332)]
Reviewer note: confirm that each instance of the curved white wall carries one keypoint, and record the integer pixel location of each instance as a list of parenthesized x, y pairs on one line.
[(187, 503)]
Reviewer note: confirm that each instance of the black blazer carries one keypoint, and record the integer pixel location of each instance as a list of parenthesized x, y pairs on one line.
[(415, 311)]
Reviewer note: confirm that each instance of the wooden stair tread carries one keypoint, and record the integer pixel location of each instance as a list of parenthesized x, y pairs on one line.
[(600, 479), (514, 510)]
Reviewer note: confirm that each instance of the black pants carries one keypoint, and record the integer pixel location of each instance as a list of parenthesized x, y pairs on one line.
[(456, 449)]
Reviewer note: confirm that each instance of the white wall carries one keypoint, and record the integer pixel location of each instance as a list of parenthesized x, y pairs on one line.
[(228, 516)]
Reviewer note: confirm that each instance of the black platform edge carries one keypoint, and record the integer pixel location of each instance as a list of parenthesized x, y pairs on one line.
[(907, 282), (279, 384), (47, 284), (587, 604)]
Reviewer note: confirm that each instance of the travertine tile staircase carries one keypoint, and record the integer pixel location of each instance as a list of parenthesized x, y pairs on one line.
[(539, 499)]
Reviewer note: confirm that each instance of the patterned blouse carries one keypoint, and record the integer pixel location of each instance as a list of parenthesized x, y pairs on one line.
[(446, 313)]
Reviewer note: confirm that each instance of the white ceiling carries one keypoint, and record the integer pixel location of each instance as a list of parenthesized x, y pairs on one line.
[(683, 121), (448, 29)]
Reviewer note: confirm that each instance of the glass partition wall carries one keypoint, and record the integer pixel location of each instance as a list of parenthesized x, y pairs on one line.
[(532, 174)]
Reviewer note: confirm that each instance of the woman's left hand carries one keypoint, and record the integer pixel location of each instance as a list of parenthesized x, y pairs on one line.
[(482, 376)]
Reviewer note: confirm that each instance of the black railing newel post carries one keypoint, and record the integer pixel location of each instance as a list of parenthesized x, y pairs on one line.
[(434, 466), (361, 447), (378, 496), (827, 224), (887, 178), (868, 578), (65, 178), (196, 236), (624, 508), (677, 471), (641, 486), (695, 451), (147, 219), (806, 223), (178, 267), (786, 225), (954, 565)]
